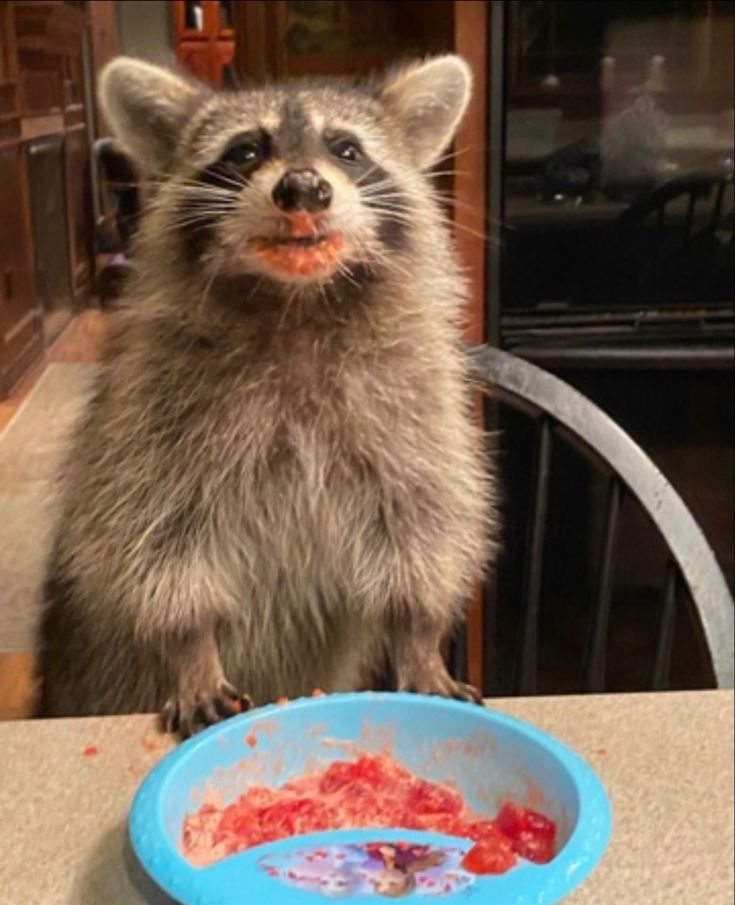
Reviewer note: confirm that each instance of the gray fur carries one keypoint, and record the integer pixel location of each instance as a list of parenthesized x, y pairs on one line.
[(277, 484)]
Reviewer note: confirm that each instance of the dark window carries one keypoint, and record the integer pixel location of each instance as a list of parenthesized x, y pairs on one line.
[(618, 157)]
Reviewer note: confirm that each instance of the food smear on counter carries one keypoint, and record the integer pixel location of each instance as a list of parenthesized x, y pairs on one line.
[(370, 791)]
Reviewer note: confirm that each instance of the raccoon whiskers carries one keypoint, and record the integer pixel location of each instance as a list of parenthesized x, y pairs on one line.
[(379, 191), (204, 216), (380, 188), (228, 176), (452, 172), (396, 199), (202, 206), (381, 205), (256, 288), (346, 272), (454, 152), (366, 175), (393, 215), (231, 177), (323, 292), (197, 188), (387, 261), (208, 287), (293, 295), (475, 233)]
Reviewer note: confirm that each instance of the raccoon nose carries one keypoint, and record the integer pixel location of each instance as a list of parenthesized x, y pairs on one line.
[(302, 190)]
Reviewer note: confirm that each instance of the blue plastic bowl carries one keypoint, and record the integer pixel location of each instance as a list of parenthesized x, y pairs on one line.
[(489, 756)]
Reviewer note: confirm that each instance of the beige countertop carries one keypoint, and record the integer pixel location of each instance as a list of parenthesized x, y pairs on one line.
[(666, 759)]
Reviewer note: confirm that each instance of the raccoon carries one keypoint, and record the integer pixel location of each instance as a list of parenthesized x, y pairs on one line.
[(278, 483)]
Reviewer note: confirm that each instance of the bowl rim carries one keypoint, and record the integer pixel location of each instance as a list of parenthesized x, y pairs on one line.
[(165, 864)]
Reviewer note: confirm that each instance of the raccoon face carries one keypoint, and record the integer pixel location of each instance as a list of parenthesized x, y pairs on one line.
[(297, 183)]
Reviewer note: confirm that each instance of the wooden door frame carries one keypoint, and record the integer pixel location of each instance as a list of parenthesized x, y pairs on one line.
[(471, 41)]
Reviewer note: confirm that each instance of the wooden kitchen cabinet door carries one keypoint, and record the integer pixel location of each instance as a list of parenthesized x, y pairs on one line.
[(47, 205), (21, 332)]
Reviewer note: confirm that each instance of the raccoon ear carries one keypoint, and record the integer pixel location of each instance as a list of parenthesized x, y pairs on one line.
[(147, 107), (429, 99)]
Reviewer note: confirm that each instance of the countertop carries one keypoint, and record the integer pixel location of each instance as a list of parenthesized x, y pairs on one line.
[(666, 759)]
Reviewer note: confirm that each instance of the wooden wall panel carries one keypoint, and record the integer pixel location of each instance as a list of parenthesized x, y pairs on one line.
[(21, 338)]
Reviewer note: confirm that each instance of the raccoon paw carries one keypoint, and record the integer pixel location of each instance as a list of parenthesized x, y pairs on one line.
[(189, 714), (441, 683)]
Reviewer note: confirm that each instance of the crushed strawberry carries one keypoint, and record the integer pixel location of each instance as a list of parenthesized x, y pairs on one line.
[(489, 857), (371, 791), (532, 835)]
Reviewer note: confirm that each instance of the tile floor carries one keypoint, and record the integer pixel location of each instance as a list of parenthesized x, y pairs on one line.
[(81, 341)]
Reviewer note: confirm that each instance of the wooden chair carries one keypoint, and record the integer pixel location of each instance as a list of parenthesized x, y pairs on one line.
[(560, 412)]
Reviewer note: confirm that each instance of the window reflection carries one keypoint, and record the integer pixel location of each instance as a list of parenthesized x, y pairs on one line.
[(618, 154)]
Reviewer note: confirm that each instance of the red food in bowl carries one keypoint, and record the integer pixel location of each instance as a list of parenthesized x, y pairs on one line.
[(371, 791)]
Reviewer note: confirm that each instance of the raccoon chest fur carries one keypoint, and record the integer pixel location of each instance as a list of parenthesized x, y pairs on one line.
[(319, 488), (322, 508)]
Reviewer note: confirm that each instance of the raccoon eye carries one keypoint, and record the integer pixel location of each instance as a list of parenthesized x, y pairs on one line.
[(346, 149), (240, 154), (246, 150)]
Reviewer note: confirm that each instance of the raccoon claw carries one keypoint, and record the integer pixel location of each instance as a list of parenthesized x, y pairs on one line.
[(466, 692), (448, 688), (189, 715)]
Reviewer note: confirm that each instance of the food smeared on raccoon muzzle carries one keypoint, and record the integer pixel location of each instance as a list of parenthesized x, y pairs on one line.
[(303, 249)]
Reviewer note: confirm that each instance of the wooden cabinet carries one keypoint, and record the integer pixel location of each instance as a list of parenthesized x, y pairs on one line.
[(8, 71), (204, 38), (45, 169), (20, 327), (52, 49), (21, 335), (46, 220)]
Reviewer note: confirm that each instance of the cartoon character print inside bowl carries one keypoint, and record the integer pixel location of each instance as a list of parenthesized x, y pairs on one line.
[(391, 870)]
